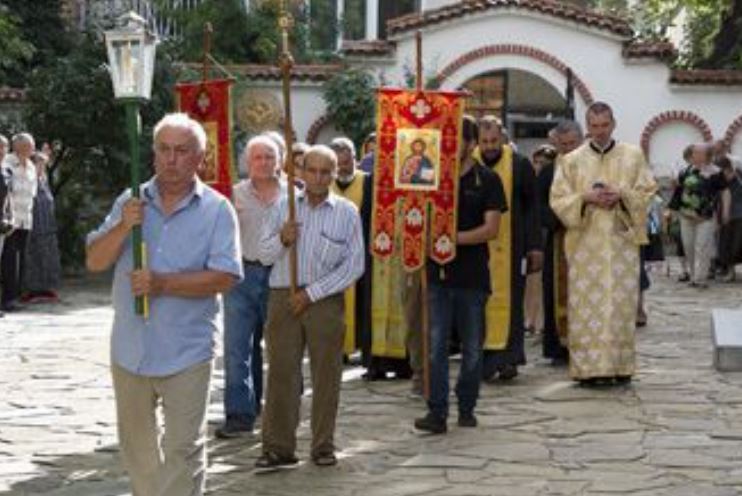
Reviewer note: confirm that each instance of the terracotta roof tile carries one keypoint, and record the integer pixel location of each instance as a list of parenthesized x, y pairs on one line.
[(714, 77), (368, 47), (614, 24), (662, 50), (307, 72)]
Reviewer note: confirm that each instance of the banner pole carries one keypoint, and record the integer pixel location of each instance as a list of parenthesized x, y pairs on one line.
[(286, 63), (426, 239), (205, 63)]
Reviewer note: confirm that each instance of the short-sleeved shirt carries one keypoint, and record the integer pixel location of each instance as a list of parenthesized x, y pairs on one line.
[(252, 215), (480, 191), (199, 234)]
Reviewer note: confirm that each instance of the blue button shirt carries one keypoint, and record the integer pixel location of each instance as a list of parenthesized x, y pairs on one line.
[(200, 234)]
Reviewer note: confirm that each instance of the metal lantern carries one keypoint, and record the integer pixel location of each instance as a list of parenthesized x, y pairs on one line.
[(131, 57)]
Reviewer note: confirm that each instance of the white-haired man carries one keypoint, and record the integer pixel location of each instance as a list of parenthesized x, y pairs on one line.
[(193, 253), (21, 174), (329, 242), (246, 304)]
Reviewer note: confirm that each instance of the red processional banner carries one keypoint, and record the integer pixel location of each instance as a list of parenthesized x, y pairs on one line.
[(416, 175), (209, 102)]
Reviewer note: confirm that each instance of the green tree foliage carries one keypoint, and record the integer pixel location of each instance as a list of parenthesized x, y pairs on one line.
[(38, 23), (354, 19), (71, 105), (351, 103), (323, 26), (15, 50), (712, 28), (239, 37)]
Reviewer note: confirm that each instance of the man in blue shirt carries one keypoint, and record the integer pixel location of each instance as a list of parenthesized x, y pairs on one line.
[(193, 253)]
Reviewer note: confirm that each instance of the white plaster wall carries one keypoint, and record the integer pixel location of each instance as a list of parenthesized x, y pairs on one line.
[(736, 148), (434, 4), (667, 145), (326, 134), (638, 91), (307, 104)]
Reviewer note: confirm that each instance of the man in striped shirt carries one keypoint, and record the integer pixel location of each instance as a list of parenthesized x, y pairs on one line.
[(329, 241)]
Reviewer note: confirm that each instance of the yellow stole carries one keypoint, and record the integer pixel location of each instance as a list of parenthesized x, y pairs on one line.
[(388, 323), (497, 310), (354, 193)]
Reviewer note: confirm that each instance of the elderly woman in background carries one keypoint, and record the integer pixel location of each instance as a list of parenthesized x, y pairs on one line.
[(22, 177), (42, 273), (701, 185)]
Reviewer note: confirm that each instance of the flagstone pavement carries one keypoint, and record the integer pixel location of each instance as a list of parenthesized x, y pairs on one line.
[(676, 431)]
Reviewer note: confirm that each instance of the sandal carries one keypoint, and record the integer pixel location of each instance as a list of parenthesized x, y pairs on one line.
[(274, 460), (325, 460)]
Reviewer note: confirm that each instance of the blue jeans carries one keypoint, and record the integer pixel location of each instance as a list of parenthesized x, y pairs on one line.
[(465, 307), (245, 310)]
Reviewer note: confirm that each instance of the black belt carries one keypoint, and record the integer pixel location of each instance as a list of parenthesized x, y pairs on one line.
[(254, 263)]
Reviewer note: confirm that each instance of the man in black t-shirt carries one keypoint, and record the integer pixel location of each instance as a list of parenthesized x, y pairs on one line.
[(459, 290)]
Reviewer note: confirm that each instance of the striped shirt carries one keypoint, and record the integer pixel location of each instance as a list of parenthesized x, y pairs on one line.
[(252, 214), (23, 186), (329, 246)]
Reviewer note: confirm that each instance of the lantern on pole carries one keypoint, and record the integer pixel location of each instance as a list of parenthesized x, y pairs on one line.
[(131, 62)]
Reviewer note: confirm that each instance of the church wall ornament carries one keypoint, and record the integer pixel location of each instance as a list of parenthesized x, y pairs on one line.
[(686, 116)]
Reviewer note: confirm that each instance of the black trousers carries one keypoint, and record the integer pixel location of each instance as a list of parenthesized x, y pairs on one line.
[(12, 264)]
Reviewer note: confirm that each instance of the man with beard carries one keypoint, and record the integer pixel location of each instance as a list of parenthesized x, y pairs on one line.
[(567, 136), (516, 252)]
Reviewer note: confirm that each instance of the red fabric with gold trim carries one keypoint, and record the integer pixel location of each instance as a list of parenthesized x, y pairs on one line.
[(418, 138), (209, 102)]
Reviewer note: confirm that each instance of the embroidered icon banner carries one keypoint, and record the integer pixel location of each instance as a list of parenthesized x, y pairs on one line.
[(418, 139), (209, 102)]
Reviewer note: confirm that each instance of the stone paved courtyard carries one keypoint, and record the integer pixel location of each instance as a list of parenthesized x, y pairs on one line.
[(676, 431)]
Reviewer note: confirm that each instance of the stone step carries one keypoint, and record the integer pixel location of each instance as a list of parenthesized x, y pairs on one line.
[(726, 335)]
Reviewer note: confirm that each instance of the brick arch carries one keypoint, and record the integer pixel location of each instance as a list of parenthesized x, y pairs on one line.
[(674, 116), (519, 50), (732, 131), (316, 127)]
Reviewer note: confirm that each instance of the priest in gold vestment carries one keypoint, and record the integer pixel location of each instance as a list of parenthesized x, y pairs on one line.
[(601, 193), (374, 312), (355, 185)]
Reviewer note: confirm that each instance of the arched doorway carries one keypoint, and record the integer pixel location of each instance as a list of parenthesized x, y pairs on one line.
[(527, 104)]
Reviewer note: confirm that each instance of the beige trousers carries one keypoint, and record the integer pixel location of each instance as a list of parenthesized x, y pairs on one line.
[(533, 310), (321, 329), (177, 465), (698, 243)]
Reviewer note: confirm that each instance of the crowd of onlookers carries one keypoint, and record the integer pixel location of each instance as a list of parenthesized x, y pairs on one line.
[(698, 217), (29, 265), (706, 214)]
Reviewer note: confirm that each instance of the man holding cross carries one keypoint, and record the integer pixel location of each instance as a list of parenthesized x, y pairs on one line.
[(328, 237)]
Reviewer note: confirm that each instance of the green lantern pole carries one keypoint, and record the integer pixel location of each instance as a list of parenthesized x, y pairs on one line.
[(133, 129), (131, 57)]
